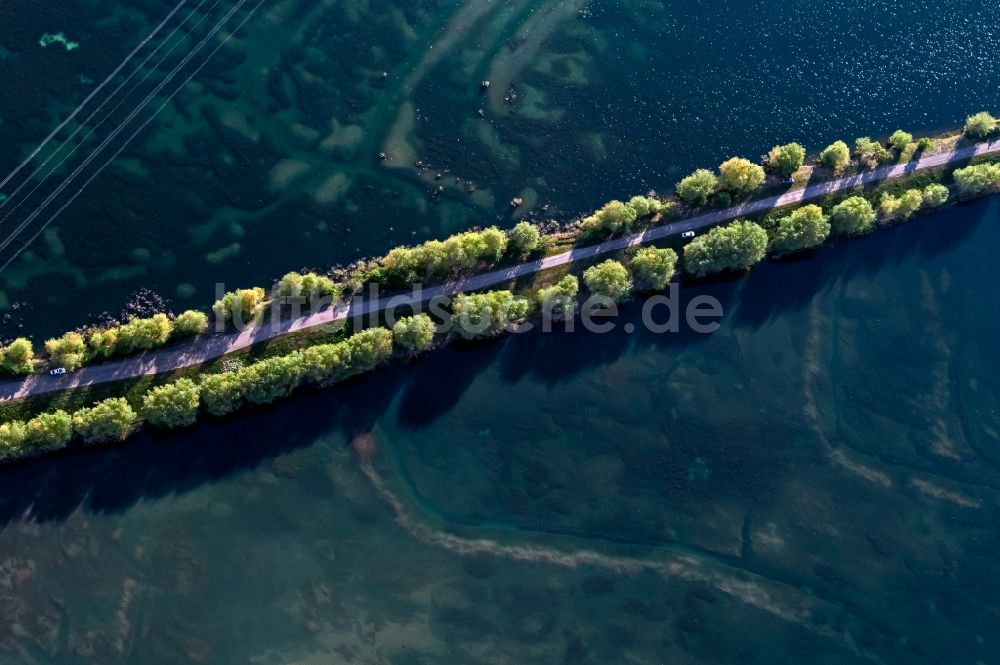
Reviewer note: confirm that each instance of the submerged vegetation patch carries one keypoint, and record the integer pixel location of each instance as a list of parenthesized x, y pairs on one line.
[(58, 38)]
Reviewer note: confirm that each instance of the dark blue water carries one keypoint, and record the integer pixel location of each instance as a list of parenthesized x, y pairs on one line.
[(268, 161)]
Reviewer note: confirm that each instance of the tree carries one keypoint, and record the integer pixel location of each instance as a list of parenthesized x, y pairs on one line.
[(978, 179), (935, 195), (559, 300), (436, 259), (319, 286), (653, 268), (835, 156), (322, 362), (172, 405), (737, 246), (852, 216), (786, 159), (50, 431), (365, 351), (645, 206), (486, 314), (924, 144), (614, 217), (272, 378), (494, 244), (13, 435), (900, 140), (871, 152), (240, 306), (609, 279), (309, 286), (290, 286), (107, 421), (143, 334), (900, 208), (68, 351), (697, 187), (222, 393), (980, 125), (190, 323), (524, 239), (910, 202), (19, 357), (102, 343), (740, 175), (414, 333), (888, 208), (806, 228)]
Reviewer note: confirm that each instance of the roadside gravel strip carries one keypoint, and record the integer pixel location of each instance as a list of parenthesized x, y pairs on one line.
[(209, 347)]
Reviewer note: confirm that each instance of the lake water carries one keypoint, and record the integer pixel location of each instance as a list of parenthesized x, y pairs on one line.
[(815, 482)]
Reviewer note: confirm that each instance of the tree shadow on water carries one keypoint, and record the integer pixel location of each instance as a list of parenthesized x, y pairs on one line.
[(791, 284), (155, 465)]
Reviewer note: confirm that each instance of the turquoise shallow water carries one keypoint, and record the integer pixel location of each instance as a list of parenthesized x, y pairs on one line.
[(815, 482)]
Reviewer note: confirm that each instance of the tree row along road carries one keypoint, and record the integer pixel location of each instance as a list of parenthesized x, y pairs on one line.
[(210, 347)]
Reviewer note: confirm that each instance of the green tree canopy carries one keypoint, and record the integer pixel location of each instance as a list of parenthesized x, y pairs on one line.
[(437, 259), (222, 393), (901, 208), (740, 175), (697, 187), (835, 156), (614, 217), (68, 351), (980, 125), (645, 206), (900, 140), (871, 152), (43, 433), (524, 239), (241, 306), (172, 405), (414, 333), (308, 286), (786, 159), (19, 357), (323, 362), (272, 378), (609, 279), (107, 421), (50, 431), (653, 268), (190, 323), (935, 195), (806, 228), (366, 350), (737, 246), (559, 300), (13, 435), (978, 179), (486, 314), (910, 202), (852, 216), (143, 334)]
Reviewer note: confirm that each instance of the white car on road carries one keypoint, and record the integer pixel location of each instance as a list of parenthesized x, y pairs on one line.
[(57, 371), (687, 234)]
